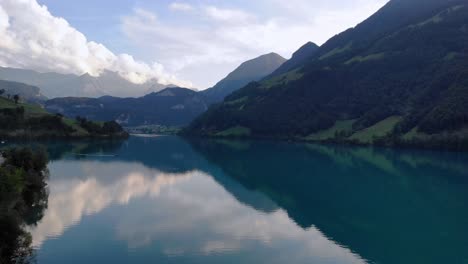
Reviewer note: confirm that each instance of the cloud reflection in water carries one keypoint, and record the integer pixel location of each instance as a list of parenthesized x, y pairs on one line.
[(186, 213)]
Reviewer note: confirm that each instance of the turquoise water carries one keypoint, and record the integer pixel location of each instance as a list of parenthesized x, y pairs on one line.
[(170, 200)]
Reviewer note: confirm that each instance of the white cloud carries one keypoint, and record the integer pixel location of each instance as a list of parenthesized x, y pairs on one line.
[(70, 200), (201, 42), (181, 204), (35, 39), (178, 6), (228, 15), (215, 40), (228, 38)]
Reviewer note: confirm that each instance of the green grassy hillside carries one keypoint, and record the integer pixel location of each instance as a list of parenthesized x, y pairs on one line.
[(341, 127), (379, 130)]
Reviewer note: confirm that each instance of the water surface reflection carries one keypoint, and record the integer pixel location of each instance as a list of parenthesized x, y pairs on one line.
[(172, 201)]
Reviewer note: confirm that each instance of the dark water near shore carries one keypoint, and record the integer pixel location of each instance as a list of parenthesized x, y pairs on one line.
[(169, 200)]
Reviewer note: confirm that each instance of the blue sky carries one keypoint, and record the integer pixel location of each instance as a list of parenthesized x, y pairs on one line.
[(192, 43)]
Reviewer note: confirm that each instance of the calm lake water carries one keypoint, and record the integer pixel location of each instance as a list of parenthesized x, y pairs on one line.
[(169, 200)]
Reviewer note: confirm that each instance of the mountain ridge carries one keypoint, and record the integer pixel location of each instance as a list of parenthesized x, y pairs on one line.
[(394, 81), (55, 85), (180, 105), (299, 58), (251, 70), (28, 93), (172, 106)]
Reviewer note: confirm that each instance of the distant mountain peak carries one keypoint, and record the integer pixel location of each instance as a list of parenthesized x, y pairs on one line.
[(85, 85), (306, 49), (262, 65), (299, 58), (271, 55), (86, 75), (399, 77), (251, 70)]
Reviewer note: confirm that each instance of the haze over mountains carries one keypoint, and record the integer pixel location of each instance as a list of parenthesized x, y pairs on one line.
[(399, 74), (54, 85), (170, 107), (28, 93)]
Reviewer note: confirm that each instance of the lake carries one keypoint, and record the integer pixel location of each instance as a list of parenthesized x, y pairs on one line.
[(171, 200)]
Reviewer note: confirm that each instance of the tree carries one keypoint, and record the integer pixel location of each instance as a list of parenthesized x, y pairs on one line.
[(80, 119), (111, 127), (23, 192), (16, 98), (2, 91)]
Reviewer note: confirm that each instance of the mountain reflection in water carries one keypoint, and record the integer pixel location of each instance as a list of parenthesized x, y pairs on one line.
[(170, 200)]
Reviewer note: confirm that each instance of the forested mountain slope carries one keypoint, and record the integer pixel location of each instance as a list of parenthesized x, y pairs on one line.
[(169, 107), (173, 107), (401, 74)]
